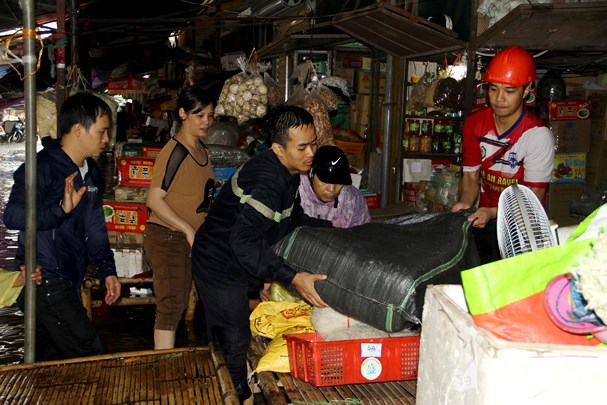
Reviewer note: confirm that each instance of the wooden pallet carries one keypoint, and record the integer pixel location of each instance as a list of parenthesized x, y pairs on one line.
[(283, 389), (174, 376)]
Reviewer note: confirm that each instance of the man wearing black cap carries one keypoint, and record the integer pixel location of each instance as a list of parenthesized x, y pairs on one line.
[(327, 191)]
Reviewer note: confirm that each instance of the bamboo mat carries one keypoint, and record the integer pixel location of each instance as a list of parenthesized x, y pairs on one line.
[(176, 376), (283, 389)]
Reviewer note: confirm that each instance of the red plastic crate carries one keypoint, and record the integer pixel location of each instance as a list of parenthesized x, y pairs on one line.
[(356, 361)]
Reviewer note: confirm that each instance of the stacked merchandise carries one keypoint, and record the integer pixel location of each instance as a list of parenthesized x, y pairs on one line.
[(126, 214), (596, 163), (570, 124)]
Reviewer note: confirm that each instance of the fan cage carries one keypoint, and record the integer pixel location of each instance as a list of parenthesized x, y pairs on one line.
[(523, 225)]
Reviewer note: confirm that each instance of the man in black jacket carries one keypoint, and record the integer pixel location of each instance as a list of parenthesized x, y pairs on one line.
[(70, 229), (232, 251)]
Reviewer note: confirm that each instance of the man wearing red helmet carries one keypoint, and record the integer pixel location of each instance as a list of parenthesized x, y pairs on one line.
[(503, 144)]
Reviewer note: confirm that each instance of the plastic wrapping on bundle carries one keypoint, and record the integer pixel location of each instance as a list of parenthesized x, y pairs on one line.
[(378, 272), (226, 156), (222, 133)]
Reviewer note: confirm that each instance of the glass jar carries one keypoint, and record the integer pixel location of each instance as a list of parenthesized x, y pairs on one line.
[(457, 142), (425, 144), (406, 142), (414, 143), (426, 127), (414, 126), (450, 128), (447, 143), (439, 127)]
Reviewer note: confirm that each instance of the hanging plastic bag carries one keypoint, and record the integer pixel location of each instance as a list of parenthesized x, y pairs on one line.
[(507, 297), (314, 95), (244, 95), (274, 97), (417, 98), (448, 93)]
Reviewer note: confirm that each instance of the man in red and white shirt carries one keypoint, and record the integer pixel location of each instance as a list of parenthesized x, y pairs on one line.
[(503, 144)]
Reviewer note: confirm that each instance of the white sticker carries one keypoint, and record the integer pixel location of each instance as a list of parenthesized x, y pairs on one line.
[(370, 350), (416, 167), (371, 368)]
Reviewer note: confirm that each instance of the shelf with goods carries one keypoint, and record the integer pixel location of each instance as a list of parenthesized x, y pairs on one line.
[(431, 151), (432, 137)]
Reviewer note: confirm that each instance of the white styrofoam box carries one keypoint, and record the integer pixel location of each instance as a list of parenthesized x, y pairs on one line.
[(460, 363), (129, 262)]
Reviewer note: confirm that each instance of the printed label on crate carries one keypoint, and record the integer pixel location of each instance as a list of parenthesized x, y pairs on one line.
[(125, 217), (566, 110), (135, 171), (371, 368), (569, 168), (222, 175), (370, 349)]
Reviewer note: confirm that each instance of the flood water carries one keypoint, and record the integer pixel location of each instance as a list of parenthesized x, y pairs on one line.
[(125, 328)]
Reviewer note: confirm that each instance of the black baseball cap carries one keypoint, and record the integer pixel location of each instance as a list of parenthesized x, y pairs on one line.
[(331, 165)]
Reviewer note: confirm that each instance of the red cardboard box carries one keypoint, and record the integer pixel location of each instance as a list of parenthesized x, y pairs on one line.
[(567, 110), (149, 151), (135, 171), (125, 217)]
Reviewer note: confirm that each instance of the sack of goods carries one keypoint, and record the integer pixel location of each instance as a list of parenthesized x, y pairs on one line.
[(378, 272)]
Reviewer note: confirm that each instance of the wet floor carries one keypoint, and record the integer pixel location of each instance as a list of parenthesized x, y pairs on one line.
[(126, 328)]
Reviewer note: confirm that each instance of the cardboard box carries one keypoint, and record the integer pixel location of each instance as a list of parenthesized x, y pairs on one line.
[(363, 82), (596, 165), (150, 151), (571, 136), (135, 171), (598, 107), (565, 110), (125, 239), (583, 93), (598, 130), (569, 168), (125, 216), (560, 197), (462, 364)]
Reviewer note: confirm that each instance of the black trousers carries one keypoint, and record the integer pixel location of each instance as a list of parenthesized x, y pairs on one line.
[(226, 307), (63, 330)]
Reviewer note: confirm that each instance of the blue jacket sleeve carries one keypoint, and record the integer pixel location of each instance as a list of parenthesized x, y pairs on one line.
[(49, 213)]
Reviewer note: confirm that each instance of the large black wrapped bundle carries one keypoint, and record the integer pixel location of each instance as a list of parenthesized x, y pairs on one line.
[(378, 272)]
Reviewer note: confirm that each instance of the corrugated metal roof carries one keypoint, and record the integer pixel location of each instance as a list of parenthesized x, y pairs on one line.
[(397, 32), (555, 27)]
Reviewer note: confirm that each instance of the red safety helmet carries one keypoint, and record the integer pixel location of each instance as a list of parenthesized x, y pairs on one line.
[(513, 66)]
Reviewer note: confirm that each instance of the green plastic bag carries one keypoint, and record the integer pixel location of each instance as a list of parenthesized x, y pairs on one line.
[(507, 297)]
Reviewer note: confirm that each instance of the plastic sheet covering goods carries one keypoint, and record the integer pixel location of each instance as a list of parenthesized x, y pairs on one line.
[(378, 272)]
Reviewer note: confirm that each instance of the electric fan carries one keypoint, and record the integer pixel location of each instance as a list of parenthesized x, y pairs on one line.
[(522, 223)]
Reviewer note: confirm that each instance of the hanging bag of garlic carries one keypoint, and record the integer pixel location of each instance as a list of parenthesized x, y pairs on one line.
[(244, 95)]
